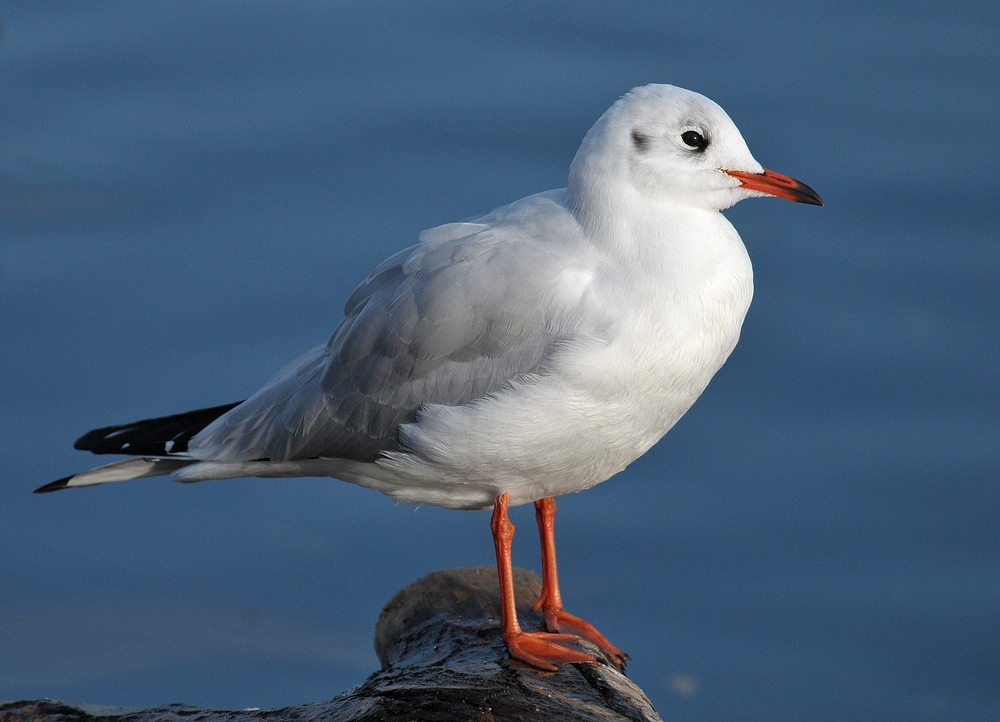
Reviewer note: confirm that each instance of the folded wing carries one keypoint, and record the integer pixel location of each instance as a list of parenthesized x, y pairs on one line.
[(454, 318)]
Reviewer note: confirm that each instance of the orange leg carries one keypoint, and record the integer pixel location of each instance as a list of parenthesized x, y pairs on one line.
[(539, 649), (550, 602)]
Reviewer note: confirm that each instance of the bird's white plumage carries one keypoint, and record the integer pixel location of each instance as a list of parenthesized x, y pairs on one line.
[(536, 351)]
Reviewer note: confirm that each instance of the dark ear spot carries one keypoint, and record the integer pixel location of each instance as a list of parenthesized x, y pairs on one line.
[(640, 141)]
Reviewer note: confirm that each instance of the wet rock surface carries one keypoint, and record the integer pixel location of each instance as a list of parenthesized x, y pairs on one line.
[(443, 659)]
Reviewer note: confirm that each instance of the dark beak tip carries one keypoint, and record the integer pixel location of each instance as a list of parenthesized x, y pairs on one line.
[(807, 195), (813, 199)]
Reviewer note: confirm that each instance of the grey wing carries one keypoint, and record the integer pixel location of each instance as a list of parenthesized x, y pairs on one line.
[(444, 322)]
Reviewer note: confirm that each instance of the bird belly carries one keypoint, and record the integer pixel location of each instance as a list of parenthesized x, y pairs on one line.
[(600, 407)]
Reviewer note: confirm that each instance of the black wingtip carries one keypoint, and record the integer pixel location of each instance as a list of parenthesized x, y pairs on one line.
[(150, 437), (54, 486)]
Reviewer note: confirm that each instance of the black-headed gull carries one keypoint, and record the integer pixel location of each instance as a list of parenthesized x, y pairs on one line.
[(532, 352)]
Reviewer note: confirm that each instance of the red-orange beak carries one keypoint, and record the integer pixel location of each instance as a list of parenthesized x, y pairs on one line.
[(779, 185)]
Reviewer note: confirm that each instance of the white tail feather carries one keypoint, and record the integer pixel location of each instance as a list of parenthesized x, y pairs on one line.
[(126, 470)]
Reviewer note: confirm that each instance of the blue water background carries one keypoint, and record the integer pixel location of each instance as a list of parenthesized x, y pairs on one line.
[(189, 191)]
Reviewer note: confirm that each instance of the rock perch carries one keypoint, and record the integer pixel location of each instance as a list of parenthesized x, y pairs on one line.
[(443, 659)]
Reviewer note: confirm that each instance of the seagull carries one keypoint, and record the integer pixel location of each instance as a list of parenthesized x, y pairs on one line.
[(532, 352)]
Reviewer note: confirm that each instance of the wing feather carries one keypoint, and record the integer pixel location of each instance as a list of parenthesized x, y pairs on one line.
[(454, 318)]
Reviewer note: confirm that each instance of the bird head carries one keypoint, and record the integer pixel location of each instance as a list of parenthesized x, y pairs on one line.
[(672, 145)]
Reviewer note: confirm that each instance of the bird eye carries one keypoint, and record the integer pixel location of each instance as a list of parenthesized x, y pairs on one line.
[(694, 139)]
